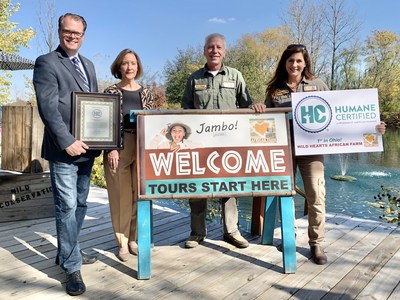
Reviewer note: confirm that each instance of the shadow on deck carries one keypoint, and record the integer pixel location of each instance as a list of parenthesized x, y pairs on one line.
[(363, 255)]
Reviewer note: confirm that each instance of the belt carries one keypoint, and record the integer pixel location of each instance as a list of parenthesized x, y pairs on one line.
[(133, 131)]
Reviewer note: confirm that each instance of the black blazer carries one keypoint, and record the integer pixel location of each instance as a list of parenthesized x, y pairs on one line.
[(54, 79)]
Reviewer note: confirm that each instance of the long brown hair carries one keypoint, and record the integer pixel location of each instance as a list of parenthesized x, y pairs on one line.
[(281, 75)]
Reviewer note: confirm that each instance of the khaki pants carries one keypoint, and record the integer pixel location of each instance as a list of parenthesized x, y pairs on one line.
[(312, 173), (122, 192), (230, 216)]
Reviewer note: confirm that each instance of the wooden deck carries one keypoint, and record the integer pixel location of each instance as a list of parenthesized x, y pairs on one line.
[(364, 262)]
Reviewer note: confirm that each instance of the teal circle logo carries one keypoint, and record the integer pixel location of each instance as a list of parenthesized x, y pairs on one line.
[(313, 114)]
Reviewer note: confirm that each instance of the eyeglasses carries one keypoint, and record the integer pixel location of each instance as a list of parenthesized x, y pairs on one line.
[(301, 46), (70, 33)]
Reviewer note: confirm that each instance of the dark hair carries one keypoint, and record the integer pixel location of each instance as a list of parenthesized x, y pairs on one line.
[(186, 128), (74, 17), (116, 65), (280, 75)]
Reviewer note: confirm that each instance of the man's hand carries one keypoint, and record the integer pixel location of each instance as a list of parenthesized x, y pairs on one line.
[(258, 107), (77, 148)]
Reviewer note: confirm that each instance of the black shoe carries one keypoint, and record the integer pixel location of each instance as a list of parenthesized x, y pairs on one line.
[(86, 259), (74, 284), (318, 255)]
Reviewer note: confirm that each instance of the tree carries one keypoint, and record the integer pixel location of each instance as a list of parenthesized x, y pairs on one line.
[(343, 29), (255, 56), (382, 55), (350, 74), (177, 72), (305, 21), (48, 24), (244, 57), (48, 39), (11, 39), (158, 92), (328, 29)]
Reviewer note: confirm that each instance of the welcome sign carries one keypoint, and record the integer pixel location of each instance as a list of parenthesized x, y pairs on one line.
[(213, 155), (331, 122)]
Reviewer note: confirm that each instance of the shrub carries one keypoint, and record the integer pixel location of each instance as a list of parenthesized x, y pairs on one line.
[(389, 201), (97, 176)]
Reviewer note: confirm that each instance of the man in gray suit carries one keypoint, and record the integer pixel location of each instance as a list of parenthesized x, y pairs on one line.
[(56, 75)]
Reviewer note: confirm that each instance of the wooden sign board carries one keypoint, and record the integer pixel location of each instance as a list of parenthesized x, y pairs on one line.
[(25, 197), (209, 155)]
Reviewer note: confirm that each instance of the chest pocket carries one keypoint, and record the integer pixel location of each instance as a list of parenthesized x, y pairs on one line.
[(201, 94), (282, 98), (227, 95)]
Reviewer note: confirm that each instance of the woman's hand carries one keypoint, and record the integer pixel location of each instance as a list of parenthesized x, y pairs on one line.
[(381, 128), (113, 158)]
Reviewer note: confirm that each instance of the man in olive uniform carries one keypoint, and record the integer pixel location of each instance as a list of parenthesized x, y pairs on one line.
[(216, 86)]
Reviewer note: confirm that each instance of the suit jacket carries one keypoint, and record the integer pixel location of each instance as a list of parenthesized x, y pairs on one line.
[(54, 79)]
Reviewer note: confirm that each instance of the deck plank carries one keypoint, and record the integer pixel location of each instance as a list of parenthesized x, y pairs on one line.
[(363, 255), (366, 269), (383, 269)]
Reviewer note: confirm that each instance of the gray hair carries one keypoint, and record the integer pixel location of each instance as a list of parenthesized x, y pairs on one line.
[(214, 35)]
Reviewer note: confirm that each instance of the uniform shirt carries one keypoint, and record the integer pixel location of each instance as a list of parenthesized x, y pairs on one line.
[(283, 95), (225, 90)]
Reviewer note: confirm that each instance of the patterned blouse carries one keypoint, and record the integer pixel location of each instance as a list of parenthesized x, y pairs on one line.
[(145, 96)]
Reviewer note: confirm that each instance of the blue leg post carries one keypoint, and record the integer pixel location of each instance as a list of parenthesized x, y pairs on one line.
[(151, 224), (144, 238), (269, 221), (288, 235)]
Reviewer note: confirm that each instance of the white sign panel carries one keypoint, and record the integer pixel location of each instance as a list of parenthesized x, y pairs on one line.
[(331, 122), (214, 155)]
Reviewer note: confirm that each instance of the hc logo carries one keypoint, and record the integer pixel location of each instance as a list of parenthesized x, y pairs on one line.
[(313, 114), (97, 113)]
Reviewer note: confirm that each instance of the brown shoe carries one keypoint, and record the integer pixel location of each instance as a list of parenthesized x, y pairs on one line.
[(133, 248), (236, 240), (193, 241), (123, 255), (318, 255)]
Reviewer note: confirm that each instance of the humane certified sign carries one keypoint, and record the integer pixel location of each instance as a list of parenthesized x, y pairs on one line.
[(331, 122), (214, 155)]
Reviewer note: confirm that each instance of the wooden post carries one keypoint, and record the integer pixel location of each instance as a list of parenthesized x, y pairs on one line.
[(257, 217)]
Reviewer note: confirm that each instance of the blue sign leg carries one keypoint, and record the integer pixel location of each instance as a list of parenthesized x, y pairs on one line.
[(288, 235), (144, 221), (269, 221), (151, 224)]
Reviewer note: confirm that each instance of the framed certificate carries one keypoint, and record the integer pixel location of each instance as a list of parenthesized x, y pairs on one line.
[(96, 120)]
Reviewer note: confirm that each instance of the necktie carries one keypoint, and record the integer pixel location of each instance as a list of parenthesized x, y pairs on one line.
[(82, 75)]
